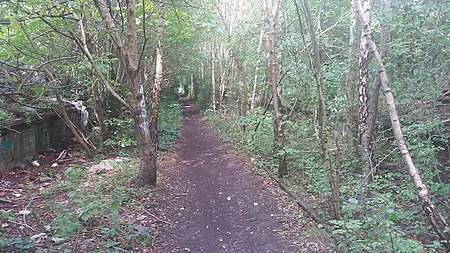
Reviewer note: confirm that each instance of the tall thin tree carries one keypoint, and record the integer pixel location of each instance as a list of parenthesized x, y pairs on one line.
[(316, 66), (278, 125), (436, 220)]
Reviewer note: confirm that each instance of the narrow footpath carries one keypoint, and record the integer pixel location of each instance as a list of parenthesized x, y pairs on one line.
[(214, 202)]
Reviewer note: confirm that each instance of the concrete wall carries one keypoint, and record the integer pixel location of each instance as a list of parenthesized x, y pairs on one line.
[(32, 138)]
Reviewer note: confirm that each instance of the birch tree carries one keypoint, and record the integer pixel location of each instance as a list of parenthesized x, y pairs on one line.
[(363, 97), (157, 84), (351, 80), (439, 225)]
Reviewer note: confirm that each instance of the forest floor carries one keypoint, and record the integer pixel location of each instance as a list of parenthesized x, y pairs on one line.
[(207, 200), (216, 204)]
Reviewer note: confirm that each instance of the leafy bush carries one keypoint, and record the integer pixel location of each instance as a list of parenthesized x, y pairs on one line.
[(380, 224), (123, 135), (169, 123)]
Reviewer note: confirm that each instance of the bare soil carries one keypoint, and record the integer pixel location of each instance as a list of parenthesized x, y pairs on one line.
[(207, 200), (214, 203)]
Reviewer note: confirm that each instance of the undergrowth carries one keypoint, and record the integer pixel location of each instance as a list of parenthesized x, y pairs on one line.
[(123, 138), (390, 218), (94, 207), (87, 204)]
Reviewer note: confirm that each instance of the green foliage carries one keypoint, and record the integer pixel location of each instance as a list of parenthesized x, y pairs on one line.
[(74, 173), (417, 63), (66, 223), (169, 123), (377, 225), (7, 215), (123, 134), (16, 244), (4, 115), (260, 141), (97, 206), (89, 204), (380, 229)]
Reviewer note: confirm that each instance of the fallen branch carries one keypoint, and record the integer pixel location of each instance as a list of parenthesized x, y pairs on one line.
[(297, 200), (182, 194), (61, 156), (25, 215), (21, 224), (6, 201), (12, 130), (156, 217)]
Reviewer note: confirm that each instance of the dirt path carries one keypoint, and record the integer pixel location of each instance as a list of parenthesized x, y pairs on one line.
[(214, 202)]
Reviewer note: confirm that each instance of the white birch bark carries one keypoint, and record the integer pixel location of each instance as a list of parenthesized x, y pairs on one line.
[(436, 220)]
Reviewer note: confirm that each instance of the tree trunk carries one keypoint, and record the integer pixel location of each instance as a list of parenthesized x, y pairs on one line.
[(278, 124), (243, 97), (195, 88), (255, 81), (436, 220), (156, 88), (99, 112), (213, 78), (222, 73), (373, 102), (323, 116), (351, 82), (129, 58), (363, 98), (202, 71)]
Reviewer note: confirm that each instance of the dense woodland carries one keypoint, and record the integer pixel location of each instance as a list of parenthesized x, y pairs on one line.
[(344, 103)]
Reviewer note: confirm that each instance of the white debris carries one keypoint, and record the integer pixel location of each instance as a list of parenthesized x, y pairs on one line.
[(228, 198), (54, 165), (36, 163), (24, 212), (352, 201), (83, 110), (141, 217), (57, 239), (38, 237)]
